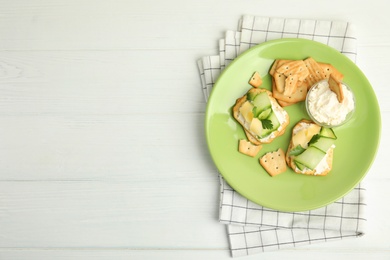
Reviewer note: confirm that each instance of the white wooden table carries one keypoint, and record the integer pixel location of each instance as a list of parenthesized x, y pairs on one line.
[(102, 151)]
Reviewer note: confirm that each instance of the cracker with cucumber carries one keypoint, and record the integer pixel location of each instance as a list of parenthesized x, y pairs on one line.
[(260, 115), (311, 148)]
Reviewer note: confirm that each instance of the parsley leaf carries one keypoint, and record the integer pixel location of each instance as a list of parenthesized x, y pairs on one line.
[(314, 139), (267, 124), (297, 150)]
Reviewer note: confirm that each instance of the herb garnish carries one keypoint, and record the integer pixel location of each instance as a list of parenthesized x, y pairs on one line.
[(267, 124), (297, 150), (314, 139)]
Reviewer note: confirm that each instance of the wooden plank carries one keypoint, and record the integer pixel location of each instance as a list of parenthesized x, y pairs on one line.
[(109, 147), (82, 25), (99, 82), (75, 24), (138, 213), (67, 113), (170, 213), (125, 254)]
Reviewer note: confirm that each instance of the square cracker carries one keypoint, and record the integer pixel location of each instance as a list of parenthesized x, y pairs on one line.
[(336, 87), (277, 63), (248, 148), (280, 81), (290, 85), (256, 80), (251, 138), (274, 162), (316, 73), (294, 67), (285, 104), (330, 69), (297, 96)]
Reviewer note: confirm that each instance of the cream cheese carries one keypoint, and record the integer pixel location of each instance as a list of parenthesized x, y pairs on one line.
[(280, 113), (324, 106), (242, 119), (301, 126)]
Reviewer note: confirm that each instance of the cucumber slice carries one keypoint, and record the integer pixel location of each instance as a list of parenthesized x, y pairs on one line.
[(256, 112), (266, 132), (274, 119), (323, 144), (251, 96), (264, 114), (300, 166), (261, 101), (327, 133), (310, 158)]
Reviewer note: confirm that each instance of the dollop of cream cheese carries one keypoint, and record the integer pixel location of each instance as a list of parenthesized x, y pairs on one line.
[(324, 106)]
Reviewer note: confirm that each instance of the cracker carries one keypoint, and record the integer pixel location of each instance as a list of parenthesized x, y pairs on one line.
[(277, 63), (330, 69), (305, 84), (247, 148), (280, 81), (251, 133), (290, 158), (283, 67), (294, 67), (251, 138), (256, 80), (290, 85), (298, 96), (316, 73), (274, 162), (336, 87), (285, 104), (273, 67), (288, 75)]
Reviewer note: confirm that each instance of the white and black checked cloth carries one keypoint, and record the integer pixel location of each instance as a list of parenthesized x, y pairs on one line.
[(252, 228)]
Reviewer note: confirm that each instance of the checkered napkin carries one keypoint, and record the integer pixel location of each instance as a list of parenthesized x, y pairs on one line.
[(252, 228)]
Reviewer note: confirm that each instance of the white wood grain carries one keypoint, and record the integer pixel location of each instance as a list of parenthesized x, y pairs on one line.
[(99, 105), (121, 24), (125, 254), (102, 150), (133, 214)]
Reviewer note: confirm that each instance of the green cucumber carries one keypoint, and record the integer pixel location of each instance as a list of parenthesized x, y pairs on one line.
[(264, 114), (323, 144), (274, 119), (310, 158), (265, 132), (256, 112), (300, 166), (261, 101), (327, 133), (251, 96)]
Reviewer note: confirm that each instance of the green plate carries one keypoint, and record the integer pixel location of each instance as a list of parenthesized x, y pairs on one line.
[(356, 145)]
